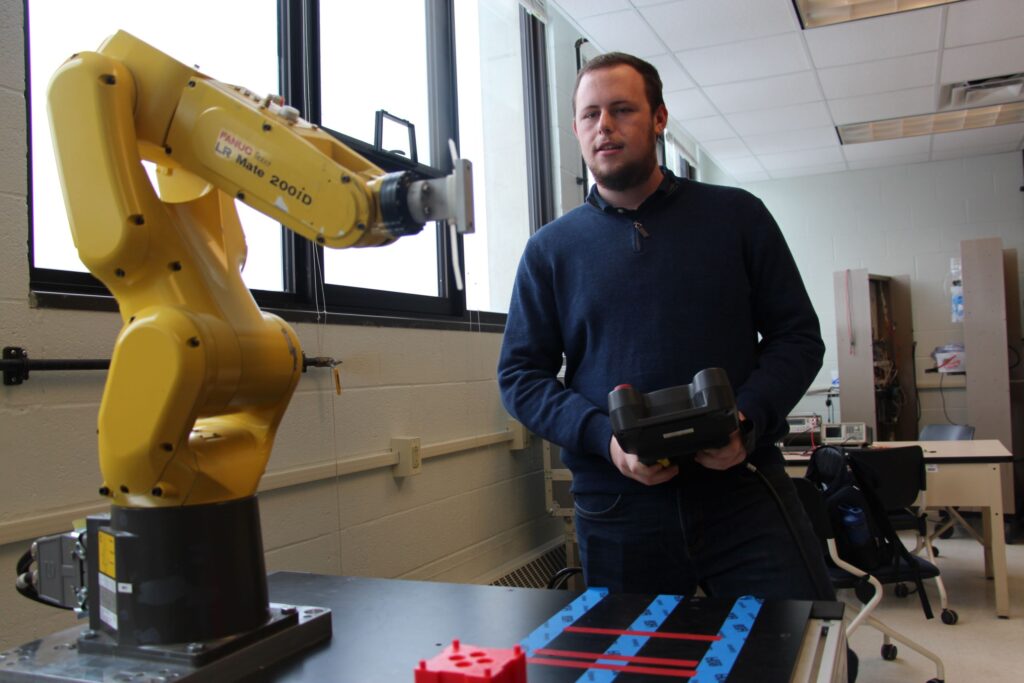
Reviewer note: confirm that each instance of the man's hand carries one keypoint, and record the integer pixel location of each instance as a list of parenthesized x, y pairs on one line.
[(729, 455), (630, 466)]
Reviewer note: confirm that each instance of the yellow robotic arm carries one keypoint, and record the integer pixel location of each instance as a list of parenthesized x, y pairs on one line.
[(200, 377)]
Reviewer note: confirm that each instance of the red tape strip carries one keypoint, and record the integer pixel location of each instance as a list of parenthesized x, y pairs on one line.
[(653, 671), (574, 654)]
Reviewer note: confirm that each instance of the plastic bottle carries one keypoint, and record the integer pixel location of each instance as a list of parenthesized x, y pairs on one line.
[(956, 290), (856, 525)]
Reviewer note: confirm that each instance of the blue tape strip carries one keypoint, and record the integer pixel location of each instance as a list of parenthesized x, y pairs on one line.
[(650, 619), (567, 616), (721, 656)]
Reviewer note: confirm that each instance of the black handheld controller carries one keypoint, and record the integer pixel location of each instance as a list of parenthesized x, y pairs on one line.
[(675, 422)]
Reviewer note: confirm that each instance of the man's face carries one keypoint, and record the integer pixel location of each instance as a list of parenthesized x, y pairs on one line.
[(615, 126)]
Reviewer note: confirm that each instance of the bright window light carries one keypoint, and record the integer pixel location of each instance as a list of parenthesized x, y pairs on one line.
[(58, 28), (358, 76)]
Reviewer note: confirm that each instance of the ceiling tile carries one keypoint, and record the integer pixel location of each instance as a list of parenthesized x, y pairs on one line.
[(888, 148), (983, 20), (793, 140), (887, 105), (752, 177), (807, 170), (700, 23), (1008, 135), (765, 93), (728, 64), (623, 31), (746, 60), (673, 77), (982, 61), (963, 152), (709, 128), (880, 76), (796, 117), (741, 165), (684, 105), (895, 35), (580, 9), (803, 158), (729, 148)]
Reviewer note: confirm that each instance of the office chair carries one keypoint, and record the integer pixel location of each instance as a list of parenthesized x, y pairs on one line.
[(949, 432), (894, 479), (867, 586)]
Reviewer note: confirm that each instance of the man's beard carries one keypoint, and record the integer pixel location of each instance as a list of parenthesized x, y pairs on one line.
[(628, 176)]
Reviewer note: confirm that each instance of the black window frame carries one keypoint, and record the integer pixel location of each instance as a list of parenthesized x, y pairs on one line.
[(306, 297), (537, 110)]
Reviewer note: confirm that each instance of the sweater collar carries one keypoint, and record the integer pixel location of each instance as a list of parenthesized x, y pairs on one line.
[(668, 186)]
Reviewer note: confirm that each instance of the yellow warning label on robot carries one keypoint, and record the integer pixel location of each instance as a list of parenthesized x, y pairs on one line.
[(108, 558)]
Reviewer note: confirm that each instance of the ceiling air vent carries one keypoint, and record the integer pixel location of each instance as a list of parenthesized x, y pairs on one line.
[(985, 91)]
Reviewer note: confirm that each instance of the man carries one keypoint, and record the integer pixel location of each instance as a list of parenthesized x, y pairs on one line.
[(650, 281)]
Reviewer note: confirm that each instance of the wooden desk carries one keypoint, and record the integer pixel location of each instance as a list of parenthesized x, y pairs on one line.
[(967, 474)]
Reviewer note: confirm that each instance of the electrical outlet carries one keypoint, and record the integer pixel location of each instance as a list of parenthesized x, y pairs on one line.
[(409, 460)]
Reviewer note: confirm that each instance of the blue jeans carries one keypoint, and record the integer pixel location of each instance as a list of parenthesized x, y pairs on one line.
[(721, 530)]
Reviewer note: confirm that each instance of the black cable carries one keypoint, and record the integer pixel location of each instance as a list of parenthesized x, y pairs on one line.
[(815, 577), (562, 576), (24, 562), (1016, 353)]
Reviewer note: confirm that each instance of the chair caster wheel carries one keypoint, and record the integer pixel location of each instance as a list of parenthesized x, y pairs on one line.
[(935, 551), (901, 590), (949, 617), (889, 652)]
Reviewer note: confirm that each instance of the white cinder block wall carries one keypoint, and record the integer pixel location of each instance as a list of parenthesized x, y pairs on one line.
[(899, 220), (468, 517)]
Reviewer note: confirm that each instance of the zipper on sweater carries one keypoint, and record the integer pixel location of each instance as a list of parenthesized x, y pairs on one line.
[(639, 232)]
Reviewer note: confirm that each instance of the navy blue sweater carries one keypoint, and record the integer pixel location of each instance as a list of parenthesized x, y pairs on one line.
[(698, 276)]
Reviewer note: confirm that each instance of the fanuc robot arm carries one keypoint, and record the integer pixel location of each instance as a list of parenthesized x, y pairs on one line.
[(200, 378)]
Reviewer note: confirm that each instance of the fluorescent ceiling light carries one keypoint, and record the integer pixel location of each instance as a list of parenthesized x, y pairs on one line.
[(815, 13), (928, 124)]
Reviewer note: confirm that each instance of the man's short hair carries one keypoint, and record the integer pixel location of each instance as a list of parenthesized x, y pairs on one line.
[(652, 81)]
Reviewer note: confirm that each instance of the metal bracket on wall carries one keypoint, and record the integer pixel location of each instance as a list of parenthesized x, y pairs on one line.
[(16, 364)]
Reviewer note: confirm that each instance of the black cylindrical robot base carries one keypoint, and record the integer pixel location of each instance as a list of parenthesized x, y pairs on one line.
[(178, 574)]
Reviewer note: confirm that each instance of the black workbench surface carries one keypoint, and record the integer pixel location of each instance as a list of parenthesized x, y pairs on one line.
[(382, 628)]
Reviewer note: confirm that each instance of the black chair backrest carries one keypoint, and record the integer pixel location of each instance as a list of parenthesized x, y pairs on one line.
[(897, 475), (947, 433), (814, 506)]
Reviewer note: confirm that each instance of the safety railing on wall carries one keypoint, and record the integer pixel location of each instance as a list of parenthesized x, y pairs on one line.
[(405, 457)]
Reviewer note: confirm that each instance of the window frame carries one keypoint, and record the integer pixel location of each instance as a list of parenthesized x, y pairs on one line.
[(306, 298), (537, 110)]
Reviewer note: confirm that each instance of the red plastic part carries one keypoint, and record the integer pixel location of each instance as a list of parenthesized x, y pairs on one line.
[(464, 663), (623, 386)]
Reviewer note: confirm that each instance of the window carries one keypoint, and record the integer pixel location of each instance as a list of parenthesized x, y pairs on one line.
[(372, 75), (61, 27), (493, 134), (339, 64)]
